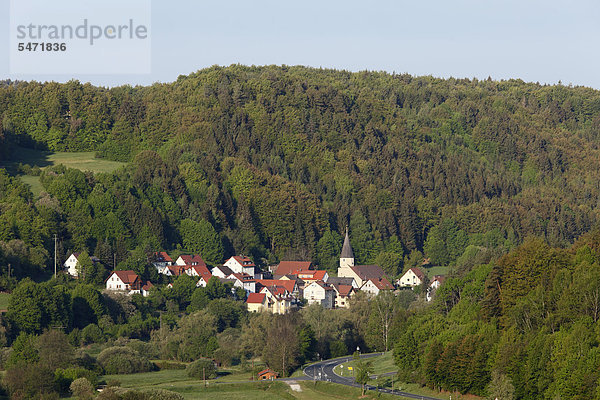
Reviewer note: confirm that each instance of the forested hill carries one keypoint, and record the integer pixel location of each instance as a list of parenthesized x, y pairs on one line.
[(277, 160)]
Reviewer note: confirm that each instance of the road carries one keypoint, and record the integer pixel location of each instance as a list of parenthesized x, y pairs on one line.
[(323, 371)]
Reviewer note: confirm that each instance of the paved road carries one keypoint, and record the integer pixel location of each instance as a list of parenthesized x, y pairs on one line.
[(324, 371)]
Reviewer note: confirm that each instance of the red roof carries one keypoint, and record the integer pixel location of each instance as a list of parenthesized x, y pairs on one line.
[(382, 284), (343, 290), (266, 371), (193, 260), (244, 261), (257, 298), (127, 277), (201, 270), (147, 286), (176, 270), (162, 256), (418, 273), (243, 277), (270, 283), (289, 267), (367, 272), (311, 274)]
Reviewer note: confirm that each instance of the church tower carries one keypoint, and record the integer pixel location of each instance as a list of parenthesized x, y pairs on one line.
[(346, 258)]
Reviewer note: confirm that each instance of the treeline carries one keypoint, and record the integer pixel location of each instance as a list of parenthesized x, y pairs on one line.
[(524, 327), (278, 160)]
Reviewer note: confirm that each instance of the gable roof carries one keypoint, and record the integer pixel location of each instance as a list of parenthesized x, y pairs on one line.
[(191, 260), (162, 256), (244, 261), (311, 274), (289, 267), (321, 284), (266, 371), (346, 248), (338, 280), (255, 298), (201, 270), (367, 272), (147, 286), (438, 278), (277, 283), (418, 273), (176, 270), (225, 270), (342, 290), (382, 284), (127, 277)]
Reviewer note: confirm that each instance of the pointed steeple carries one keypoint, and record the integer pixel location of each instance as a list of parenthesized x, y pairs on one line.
[(346, 248)]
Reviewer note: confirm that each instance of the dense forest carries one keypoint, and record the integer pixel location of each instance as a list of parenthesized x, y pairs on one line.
[(496, 179)]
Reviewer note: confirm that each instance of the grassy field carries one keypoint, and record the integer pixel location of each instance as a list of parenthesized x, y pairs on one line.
[(4, 299), (431, 272), (84, 161), (381, 365), (177, 381)]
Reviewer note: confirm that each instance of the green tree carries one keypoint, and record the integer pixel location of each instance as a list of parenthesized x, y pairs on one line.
[(202, 238), (363, 370)]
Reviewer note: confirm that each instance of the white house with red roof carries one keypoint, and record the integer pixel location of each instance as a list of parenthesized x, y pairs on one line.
[(244, 281), (145, 289), (125, 281), (198, 270), (320, 293), (434, 285), (375, 286), (160, 260), (191, 260), (174, 270), (241, 265), (312, 275), (343, 292), (411, 278)]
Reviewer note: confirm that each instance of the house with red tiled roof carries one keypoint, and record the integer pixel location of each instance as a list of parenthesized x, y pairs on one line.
[(434, 285), (174, 270), (198, 270), (411, 278), (289, 267), (126, 281), (160, 260), (279, 300), (311, 275), (192, 260), (257, 302), (145, 289), (375, 286), (320, 293), (290, 286), (244, 281), (241, 265), (342, 294)]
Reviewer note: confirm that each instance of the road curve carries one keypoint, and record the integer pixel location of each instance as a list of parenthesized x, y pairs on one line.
[(323, 371)]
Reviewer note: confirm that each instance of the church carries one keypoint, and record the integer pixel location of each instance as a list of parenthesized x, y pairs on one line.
[(361, 273)]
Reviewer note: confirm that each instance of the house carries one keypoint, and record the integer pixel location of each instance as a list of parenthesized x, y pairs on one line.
[(290, 287), (198, 270), (375, 286), (126, 281), (320, 293), (202, 282), (279, 301), (244, 281), (339, 280), (267, 374), (222, 271), (342, 294), (312, 275), (411, 278), (160, 260), (71, 264), (289, 267), (436, 282), (360, 273), (145, 290), (190, 260), (173, 270), (241, 265), (257, 302)]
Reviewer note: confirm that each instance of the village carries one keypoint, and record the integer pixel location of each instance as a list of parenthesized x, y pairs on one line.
[(284, 287)]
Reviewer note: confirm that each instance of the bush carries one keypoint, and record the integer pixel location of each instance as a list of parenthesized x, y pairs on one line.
[(27, 381), (161, 394), (91, 334), (64, 377), (203, 367), (123, 360), (82, 388)]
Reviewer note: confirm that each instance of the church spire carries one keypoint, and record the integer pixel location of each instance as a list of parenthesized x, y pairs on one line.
[(346, 248)]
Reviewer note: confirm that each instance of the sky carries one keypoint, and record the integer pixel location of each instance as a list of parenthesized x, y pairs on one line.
[(537, 41)]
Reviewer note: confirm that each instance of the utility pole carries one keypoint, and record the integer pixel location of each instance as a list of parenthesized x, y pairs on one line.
[(55, 252)]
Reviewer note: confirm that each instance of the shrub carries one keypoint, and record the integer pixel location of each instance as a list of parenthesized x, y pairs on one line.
[(203, 367), (162, 394), (91, 334), (82, 388), (64, 377), (27, 381), (123, 360)]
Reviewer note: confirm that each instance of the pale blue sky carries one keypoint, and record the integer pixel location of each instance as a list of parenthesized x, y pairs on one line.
[(543, 41)]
